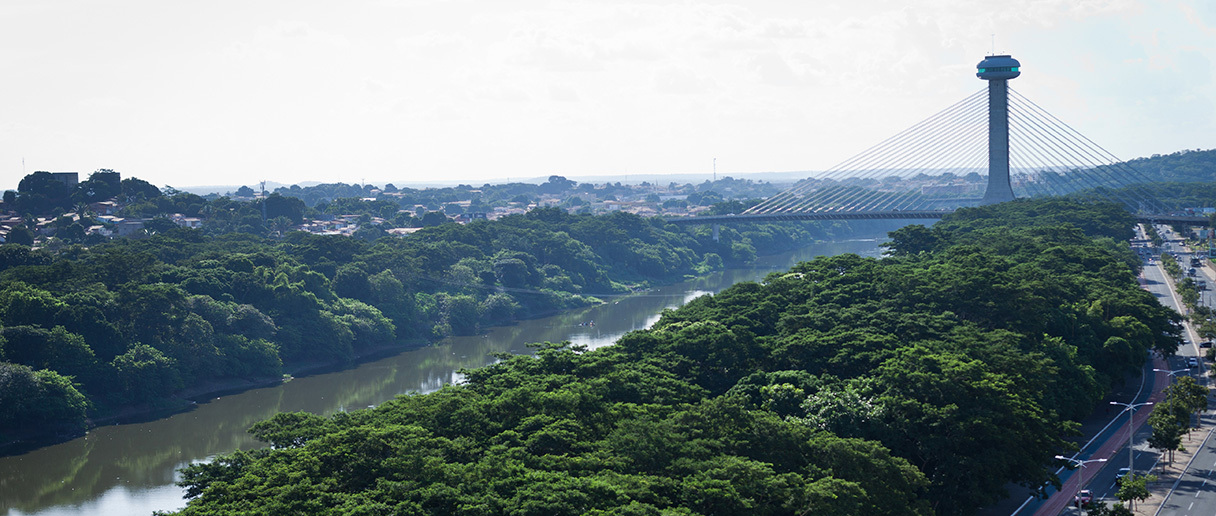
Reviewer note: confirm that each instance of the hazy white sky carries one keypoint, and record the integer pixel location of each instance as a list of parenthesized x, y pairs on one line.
[(230, 92)]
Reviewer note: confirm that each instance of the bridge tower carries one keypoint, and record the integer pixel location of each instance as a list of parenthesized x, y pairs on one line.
[(997, 70)]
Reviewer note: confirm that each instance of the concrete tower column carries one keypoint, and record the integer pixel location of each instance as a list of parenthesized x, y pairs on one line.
[(997, 70)]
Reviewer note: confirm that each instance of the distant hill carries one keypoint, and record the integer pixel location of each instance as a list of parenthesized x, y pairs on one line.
[(630, 179), (223, 189), (1185, 166)]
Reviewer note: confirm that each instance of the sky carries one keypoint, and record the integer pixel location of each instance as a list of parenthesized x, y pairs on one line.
[(415, 91)]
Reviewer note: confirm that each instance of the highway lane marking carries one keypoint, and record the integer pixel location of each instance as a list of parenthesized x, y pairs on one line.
[(1190, 506)]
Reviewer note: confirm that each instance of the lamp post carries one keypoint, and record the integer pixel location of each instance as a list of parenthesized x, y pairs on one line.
[(1080, 464), (1131, 411), (1173, 374)]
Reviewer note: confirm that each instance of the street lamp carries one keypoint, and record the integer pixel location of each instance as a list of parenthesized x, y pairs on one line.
[(1131, 411), (1080, 464), (1173, 374)]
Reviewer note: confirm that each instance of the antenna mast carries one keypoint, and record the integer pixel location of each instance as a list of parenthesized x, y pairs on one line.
[(263, 202)]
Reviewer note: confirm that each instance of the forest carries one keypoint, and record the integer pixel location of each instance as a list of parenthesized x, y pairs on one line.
[(90, 331), (919, 383)]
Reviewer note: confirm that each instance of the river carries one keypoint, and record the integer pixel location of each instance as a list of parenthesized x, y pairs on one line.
[(129, 469)]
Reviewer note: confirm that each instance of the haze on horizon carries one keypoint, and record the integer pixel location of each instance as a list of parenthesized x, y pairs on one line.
[(443, 90)]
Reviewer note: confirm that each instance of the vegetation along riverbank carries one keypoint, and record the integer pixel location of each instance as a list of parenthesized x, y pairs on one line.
[(130, 326), (920, 383)]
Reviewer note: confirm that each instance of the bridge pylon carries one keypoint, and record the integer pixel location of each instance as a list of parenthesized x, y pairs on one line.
[(997, 70)]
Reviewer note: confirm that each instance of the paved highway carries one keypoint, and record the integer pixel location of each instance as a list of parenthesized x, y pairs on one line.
[(1111, 444), (1195, 491)]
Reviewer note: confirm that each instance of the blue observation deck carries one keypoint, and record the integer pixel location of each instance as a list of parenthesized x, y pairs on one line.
[(998, 68)]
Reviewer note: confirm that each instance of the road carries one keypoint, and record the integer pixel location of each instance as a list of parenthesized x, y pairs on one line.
[(1112, 443), (1195, 491)]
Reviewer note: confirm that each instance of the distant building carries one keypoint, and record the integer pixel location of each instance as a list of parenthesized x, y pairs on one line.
[(68, 178), (402, 231), (128, 227), (187, 222), (465, 218), (104, 207), (947, 190)]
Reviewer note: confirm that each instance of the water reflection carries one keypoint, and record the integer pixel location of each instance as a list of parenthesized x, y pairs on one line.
[(130, 469)]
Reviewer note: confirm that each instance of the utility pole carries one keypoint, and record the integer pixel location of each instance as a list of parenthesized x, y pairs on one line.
[(1131, 411)]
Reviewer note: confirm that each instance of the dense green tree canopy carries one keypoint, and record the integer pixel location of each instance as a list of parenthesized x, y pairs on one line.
[(846, 385), (132, 321)]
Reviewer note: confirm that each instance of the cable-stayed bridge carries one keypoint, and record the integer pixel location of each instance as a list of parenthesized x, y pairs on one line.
[(993, 146)]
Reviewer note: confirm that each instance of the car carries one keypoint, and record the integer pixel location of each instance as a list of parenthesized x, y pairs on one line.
[(1122, 473), (1192, 362), (1084, 498), (1205, 344)]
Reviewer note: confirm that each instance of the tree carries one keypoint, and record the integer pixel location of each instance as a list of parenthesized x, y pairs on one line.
[(20, 235), (1134, 487), (280, 206), (1167, 433), (556, 185), (56, 349), (911, 240), (351, 281), (144, 374), (138, 189), (101, 185), (14, 255), (42, 399), (434, 218), (160, 225), (41, 193), (1190, 394)]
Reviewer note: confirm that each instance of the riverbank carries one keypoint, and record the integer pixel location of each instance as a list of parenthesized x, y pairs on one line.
[(130, 468), (188, 398)]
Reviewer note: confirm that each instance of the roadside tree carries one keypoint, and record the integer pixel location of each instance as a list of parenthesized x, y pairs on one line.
[(1134, 487)]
